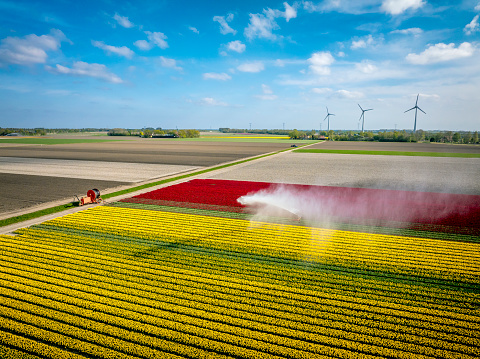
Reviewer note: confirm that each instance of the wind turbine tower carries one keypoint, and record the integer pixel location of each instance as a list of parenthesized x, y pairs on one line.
[(328, 117), (416, 108), (362, 116)]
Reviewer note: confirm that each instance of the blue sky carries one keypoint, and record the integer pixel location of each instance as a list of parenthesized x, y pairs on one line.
[(271, 64)]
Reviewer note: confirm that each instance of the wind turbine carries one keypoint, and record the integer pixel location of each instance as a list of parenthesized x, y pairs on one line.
[(416, 108), (362, 116), (328, 117)]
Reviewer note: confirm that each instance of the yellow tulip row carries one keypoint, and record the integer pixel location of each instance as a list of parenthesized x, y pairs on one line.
[(289, 297), (29, 345), (339, 345), (275, 273), (325, 280), (359, 329), (367, 250)]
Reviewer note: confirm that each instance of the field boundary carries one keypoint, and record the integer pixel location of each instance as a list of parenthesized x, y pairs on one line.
[(391, 153)]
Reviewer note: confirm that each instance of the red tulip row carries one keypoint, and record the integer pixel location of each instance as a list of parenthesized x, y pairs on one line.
[(444, 212)]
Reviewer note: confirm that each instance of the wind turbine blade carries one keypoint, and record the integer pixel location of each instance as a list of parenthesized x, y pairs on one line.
[(325, 117), (370, 109), (360, 107), (360, 117), (416, 103), (421, 110), (410, 109), (332, 114)]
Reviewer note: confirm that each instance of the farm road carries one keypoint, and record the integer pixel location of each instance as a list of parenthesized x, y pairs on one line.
[(430, 174)]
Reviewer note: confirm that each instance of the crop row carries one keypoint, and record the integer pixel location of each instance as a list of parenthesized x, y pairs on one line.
[(441, 209), (119, 254), (96, 285), (411, 255), (277, 273)]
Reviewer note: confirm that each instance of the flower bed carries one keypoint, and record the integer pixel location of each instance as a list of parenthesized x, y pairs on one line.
[(457, 213)]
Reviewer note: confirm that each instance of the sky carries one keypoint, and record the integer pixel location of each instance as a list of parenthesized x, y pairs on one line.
[(240, 64)]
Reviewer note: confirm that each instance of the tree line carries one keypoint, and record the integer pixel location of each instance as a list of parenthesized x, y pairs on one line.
[(158, 133)]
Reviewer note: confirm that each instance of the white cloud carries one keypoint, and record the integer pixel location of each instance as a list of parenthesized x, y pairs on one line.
[(472, 27), (477, 8), (143, 45), (410, 31), (366, 67), (154, 39), (224, 27), (349, 94), (441, 52), (216, 76), (30, 49), (157, 38), (81, 68), (322, 91), (170, 63), (397, 7), (194, 29), (261, 26), (122, 51), (236, 46), (320, 62), (290, 12), (256, 66), (123, 21), (362, 43), (267, 93), (210, 101)]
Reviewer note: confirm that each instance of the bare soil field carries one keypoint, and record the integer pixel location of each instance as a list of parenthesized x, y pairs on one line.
[(396, 146), (35, 174), (159, 151), (22, 191), (429, 174)]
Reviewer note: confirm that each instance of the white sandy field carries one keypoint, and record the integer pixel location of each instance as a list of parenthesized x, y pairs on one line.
[(93, 170)]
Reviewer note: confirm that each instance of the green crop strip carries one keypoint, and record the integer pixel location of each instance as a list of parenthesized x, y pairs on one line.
[(44, 212), (392, 153)]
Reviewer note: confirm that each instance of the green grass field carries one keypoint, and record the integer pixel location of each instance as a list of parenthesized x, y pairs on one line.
[(392, 153)]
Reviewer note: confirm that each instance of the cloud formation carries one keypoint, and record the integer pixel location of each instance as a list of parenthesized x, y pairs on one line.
[(267, 93), (30, 49), (216, 76), (236, 46), (472, 27), (121, 51), (253, 67), (440, 53), (262, 25), (123, 21), (169, 63), (194, 29), (224, 27), (362, 43), (154, 39), (397, 7), (210, 101), (81, 68), (410, 31), (320, 62)]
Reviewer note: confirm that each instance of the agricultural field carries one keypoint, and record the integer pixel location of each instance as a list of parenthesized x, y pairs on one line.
[(188, 271), (37, 171)]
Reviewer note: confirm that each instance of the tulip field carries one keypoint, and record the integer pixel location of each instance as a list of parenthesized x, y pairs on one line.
[(182, 272)]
